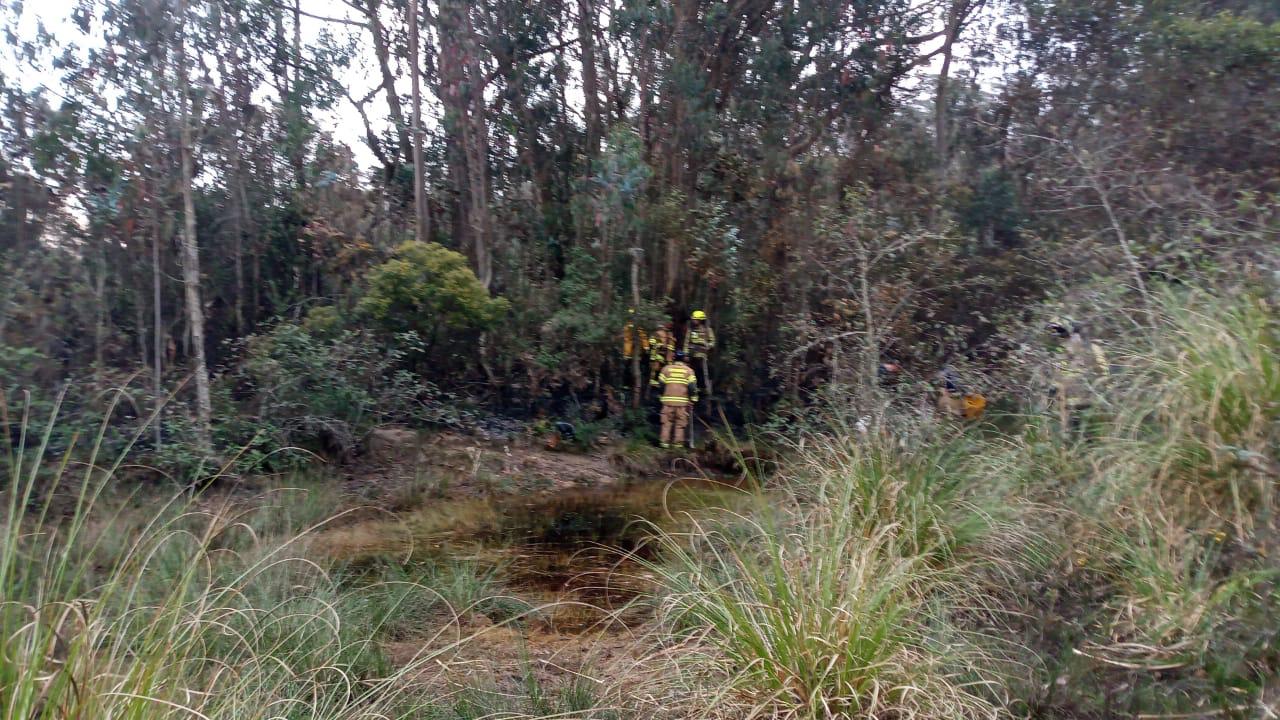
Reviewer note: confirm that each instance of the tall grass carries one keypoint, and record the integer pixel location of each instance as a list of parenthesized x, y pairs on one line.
[(838, 596), (863, 584), (1162, 514), (174, 621), (1198, 405)]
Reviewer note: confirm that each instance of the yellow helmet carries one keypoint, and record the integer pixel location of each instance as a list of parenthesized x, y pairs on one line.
[(698, 315)]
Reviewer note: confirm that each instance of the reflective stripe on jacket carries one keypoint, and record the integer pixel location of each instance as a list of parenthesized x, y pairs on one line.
[(679, 384), (661, 345), (699, 341)]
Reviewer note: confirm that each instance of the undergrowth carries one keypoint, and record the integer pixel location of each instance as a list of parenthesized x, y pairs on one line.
[(1122, 568)]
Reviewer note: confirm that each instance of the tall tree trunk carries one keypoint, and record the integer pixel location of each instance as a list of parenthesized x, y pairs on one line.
[(940, 99), (157, 383), (383, 54), (422, 227), (232, 114), (100, 314), (297, 150), (637, 346), (466, 125), (190, 251), (590, 82)]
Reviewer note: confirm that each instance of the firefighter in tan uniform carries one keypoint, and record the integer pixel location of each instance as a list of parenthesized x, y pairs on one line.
[(1081, 366), (679, 393), (662, 348), (699, 341), (633, 338)]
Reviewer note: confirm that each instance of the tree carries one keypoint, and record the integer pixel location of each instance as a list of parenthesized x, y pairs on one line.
[(422, 222), (429, 289), (190, 245)]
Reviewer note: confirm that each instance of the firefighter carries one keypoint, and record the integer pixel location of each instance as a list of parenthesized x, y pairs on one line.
[(662, 346), (633, 338), (955, 402), (699, 341), (1081, 365), (679, 393)]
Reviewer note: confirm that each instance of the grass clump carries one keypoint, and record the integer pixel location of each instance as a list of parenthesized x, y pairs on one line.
[(833, 598), (198, 610), (1157, 595)]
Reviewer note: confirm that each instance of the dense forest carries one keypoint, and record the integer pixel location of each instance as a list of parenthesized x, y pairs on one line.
[(241, 239), (834, 183)]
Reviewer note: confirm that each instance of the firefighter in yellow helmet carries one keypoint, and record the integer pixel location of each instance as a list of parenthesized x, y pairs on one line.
[(633, 338), (662, 346), (679, 393), (1080, 367), (699, 341)]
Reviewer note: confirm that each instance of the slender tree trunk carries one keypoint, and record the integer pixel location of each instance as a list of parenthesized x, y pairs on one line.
[(590, 81), (237, 249), (190, 250), (157, 383), (637, 346), (383, 55), (100, 315), (422, 219), (229, 112), (297, 152), (940, 99)]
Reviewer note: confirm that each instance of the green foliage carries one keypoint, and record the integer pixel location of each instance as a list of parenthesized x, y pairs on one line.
[(429, 289), (812, 611), (578, 323), (323, 321), (151, 614), (324, 393)]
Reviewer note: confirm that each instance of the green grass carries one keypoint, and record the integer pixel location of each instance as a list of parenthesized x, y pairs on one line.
[(186, 608), (830, 600)]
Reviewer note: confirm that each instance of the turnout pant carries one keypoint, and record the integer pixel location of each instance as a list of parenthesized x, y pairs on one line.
[(675, 419)]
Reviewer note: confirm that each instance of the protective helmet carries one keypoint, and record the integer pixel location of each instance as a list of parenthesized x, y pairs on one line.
[(1060, 326), (698, 315), (631, 311), (679, 355)]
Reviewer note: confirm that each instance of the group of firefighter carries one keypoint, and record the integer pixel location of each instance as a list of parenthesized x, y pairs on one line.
[(1080, 363), (674, 379)]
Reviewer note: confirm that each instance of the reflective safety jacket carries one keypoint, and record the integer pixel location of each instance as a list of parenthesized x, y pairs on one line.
[(662, 345), (633, 339), (698, 341), (679, 384), (1082, 365)]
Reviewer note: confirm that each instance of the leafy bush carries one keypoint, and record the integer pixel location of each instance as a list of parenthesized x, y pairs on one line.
[(429, 289), (325, 393)]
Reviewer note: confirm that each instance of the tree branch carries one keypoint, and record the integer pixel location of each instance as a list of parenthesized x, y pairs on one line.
[(322, 18)]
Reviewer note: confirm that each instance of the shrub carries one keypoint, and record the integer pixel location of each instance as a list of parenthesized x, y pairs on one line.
[(429, 289), (325, 393)]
